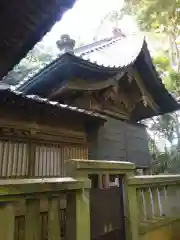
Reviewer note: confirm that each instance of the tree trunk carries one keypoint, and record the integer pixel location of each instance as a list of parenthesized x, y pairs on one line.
[(174, 51)]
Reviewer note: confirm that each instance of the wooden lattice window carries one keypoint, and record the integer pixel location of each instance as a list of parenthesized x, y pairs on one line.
[(13, 158), (50, 159)]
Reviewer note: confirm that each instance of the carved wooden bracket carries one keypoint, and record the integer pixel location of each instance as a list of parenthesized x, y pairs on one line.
[(14, 132)]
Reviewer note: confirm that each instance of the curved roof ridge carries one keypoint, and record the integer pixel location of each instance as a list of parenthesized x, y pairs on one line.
[(85, 48), (108, 42), (117, 53), (102, 45), (129, 57)]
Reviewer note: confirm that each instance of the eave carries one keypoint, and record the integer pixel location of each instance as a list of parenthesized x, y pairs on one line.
[(23, 24), (36, 108), (71, 67)]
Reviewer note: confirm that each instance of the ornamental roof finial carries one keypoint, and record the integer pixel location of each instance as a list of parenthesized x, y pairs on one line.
[(65, 44)]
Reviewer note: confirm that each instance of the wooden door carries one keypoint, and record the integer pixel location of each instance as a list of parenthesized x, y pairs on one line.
[(107, 213)]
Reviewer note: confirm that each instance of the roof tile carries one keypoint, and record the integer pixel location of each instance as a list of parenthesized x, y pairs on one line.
[(5, 92)]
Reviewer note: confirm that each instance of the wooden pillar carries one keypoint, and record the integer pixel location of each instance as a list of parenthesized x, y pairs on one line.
[(54, 228), (7, 221), (78, 216), (32, 220)]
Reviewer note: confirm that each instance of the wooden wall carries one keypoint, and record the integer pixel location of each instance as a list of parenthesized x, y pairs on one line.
[(137, 146), (34, 151), (120, 141)]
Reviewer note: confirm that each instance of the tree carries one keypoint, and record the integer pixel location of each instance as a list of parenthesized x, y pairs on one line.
[(162, 17), (35, 59), (112, 17), (159, 16), (166, 127), (169, 76)]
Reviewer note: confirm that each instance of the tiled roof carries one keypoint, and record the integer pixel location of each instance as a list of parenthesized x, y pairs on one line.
[(7, 92), (102, 60), (62, 106), (117, 52), (109, 53), (91, 46)]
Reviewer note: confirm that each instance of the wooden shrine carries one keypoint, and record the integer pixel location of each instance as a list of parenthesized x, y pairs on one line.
[(116, 78), (37, 137)]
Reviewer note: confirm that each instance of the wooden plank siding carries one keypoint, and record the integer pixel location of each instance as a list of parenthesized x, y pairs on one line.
[(37, 141), (13, 158), (50, 159), (137, 146), (16, 158), (120, 141)]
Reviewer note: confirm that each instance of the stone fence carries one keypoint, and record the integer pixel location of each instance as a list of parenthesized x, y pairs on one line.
[(156, 206), (61, 208)]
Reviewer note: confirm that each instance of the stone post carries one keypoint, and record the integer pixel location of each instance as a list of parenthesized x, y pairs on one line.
[(7, 221), (78, 215)]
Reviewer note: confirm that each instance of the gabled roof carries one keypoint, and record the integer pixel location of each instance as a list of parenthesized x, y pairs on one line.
[(101, 61), (104, 58), (22, 24), (116, 53)]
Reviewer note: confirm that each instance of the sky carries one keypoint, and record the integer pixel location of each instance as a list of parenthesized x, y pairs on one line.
[(82, 21)]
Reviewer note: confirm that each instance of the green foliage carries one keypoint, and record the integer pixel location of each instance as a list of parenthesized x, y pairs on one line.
[(38, 57), (170, 77), (31, 63), (166, 162), (161, 15), (166, 128), (161, 63)]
